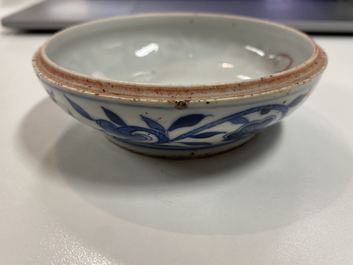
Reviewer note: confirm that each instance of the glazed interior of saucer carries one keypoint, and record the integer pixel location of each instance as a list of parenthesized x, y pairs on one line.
[(179, 50)]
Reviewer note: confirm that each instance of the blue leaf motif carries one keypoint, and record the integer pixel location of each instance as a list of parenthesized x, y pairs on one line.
[(187, 121), (108, 126), (296, 101), (156, 136), (152, 124), (80, 110), (239, 120), (113, 117), (249, 129), (133, 132), (265, 111), (51, 94), (257, 125), (205, 135), (195, 143)]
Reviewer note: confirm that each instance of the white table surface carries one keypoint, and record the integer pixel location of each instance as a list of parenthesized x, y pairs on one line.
[(67, 196)]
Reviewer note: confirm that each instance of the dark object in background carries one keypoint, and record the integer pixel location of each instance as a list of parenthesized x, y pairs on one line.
[(323, 16)]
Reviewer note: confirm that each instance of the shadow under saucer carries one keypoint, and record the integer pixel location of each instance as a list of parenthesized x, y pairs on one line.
[(282, 175)]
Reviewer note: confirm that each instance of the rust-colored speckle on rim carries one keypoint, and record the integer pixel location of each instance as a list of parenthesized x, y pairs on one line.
[(283, 81)]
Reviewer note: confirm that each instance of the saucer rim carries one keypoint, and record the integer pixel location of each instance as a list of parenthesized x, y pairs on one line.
[(72, 81)]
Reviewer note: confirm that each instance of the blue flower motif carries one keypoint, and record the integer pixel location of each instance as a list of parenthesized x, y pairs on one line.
[(155, 135)]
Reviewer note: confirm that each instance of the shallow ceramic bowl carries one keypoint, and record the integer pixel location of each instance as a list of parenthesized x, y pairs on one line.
[(179, 85)]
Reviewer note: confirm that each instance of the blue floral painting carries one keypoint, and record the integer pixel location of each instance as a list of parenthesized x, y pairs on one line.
[(155, 135)]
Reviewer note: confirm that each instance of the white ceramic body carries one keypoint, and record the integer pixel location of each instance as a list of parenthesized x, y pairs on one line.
[(182, 118), (257, 115)]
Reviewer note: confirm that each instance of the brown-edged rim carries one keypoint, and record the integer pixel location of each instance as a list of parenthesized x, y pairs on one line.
[(53, 74)]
